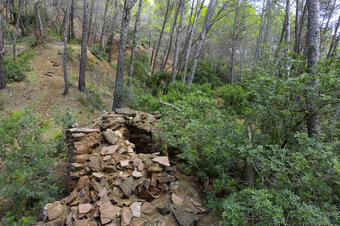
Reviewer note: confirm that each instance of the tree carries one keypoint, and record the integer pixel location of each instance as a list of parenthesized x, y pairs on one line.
[(207, 22), (38, 27), (72, 32), (313, 56), (104, 26), (83, 55), (16, 30), (134, 42), (179, 31), (2, 51), (161, 35), (335, 39), (117, 96), (66, 90), (113, 28), (91, 21), (168, 50)]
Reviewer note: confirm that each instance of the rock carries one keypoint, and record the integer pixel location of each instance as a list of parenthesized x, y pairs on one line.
[(185, 218), (147, 208), (110, 137), (85, 222), (137, 222), (84, 209), (126, 186), (79, 158), (83, 130), (140, 165), (126, 111), (108, 212), (95, 163), (130, 150), (136, 209), (155, 169), (109, 150), (54, 210), (126, 216), (137, 174), (124, 163), (176, 200), (164, 209), (166, 178), (107, 157), (97, 175), (163, 160)]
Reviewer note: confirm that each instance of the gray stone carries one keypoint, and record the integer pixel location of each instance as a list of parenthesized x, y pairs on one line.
[(185, 218), (110, 137), (126, 186), (126, 111)]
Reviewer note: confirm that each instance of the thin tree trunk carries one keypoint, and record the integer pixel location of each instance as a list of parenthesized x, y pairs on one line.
[(111, 39), (208, 19), (91, 21), (38, 27), (334, 39), (233, 48), (134, 43), (94, 37), (178, 38), (117, 96), (313, 55), (168, 51), (72, 20), (153, 53), (2, 51), (190, 40), (297, 7), (250, 174), (66, 89), (104, 26), (327, 25), (302, 21), (260, 36), (161, 36), (16, 31), (83, 55)]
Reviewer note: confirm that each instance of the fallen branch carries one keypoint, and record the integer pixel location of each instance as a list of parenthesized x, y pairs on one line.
[(170, 105)]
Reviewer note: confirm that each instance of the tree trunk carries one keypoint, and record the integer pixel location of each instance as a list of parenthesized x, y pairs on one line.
[(250, 174), (179, 31), (233, 47), (91, 21), (190, 40), (38, 27), (297, 7), (208, 19), (110, 44), (260, 36), (104, 25), (2, 51), (94, 37), (327, 24), (83, 56), (161, 36), (134, 43), (117, 96), (72, 20), (313, 55), (334, 39), (66, 89), (16, 31), (302, 21), (168, 51)]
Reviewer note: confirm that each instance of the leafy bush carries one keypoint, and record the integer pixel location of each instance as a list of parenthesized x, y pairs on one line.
[(96, 50), (27, 175), (205, 73), (71, 54), (92, 99), (15, 70)]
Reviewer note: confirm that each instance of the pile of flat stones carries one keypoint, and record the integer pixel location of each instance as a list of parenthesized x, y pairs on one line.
[(113, 183)]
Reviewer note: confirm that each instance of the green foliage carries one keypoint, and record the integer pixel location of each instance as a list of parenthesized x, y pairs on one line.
[(66, 119), (71, 54), (92, 99), (15, 70), (206, 73), (2, 101), (27, 176), (97, 51)]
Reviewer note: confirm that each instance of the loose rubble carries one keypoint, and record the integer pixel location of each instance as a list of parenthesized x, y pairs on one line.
[(118, 178)]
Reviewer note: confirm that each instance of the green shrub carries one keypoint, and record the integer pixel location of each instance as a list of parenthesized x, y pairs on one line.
[(2, 102), (66, 119), (71, 54), (27, 176), (15, 71), (96, 50), (92, 99)]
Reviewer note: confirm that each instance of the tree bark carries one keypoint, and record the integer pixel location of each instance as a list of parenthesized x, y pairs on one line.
[(190, 40), (334, 39), (91, 21), (117, 96), (104, 26), (233, 47), (313, 55), (16, 31), (111, 39), (208, 19), (94, 37), (72, 20), (168, 51), (2, 51), (260, 36), (297, 8), (161, 36), (66, 89), (38, 27), (83, 55), (134, 43), (179, 31), (250, 173), (327, 25)]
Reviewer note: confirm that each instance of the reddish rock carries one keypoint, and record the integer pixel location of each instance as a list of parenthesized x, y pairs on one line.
[(84, 209), (109, 150), (163, 160), (85, 222), (126, 216), (136, 209), (54, 210), (147, 208), (108, 212), (176, 200)]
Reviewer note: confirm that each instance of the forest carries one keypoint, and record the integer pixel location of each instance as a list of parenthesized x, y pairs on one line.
[(169, 112)]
